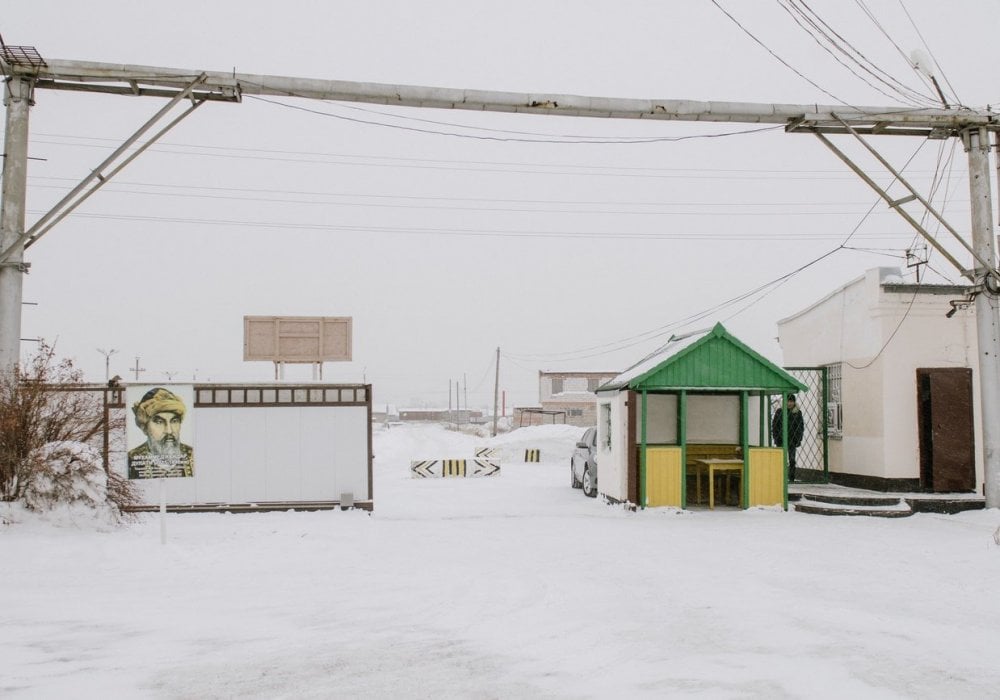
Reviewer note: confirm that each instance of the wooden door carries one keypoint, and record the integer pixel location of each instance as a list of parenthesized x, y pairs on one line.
[(947, 440)]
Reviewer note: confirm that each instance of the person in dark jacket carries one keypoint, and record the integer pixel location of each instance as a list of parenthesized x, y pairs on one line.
[(796, 429)]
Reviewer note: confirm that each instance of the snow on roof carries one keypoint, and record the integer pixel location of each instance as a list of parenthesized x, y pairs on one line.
[(674, 345)]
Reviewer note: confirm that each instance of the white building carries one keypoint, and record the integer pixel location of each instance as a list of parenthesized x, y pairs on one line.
[(903, 382)]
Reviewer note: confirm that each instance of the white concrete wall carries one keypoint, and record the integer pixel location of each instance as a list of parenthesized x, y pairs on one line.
[(879, 390), (661, 419), (713, 419), (926, 339), (612, 462), (293, 453), (710, 419)]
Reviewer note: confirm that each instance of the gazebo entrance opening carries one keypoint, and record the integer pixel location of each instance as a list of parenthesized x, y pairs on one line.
[(714, 447)]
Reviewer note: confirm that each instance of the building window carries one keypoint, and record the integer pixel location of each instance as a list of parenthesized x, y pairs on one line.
[(834, 404), (557, 385), (593, 383), (575, 411), (606, 425)]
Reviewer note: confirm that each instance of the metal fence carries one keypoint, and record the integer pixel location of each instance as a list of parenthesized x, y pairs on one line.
[(812, 457)]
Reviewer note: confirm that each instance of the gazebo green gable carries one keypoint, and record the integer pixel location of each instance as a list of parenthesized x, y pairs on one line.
[(717, 362)]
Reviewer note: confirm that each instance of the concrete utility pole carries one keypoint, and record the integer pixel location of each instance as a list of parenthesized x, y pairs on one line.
[(977, 144), (496, 393), (17, 98), (26, 71)]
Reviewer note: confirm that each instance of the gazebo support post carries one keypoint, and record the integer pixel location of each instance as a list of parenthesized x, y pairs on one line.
[(682, 439), (784, 448), (745, 446), (642, 456), (765, 421)]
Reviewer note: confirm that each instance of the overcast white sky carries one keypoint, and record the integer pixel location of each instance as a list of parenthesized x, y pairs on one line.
[(442, 247)]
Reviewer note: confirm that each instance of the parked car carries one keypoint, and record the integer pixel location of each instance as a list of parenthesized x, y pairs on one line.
[(583, 463)]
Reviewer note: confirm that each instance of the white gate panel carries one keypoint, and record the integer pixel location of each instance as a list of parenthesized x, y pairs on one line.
[(319, 471), (213, 468), (249, 465), (343, 448), (282, 446)]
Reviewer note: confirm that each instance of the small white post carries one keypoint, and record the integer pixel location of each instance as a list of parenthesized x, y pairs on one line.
[(163, 510)]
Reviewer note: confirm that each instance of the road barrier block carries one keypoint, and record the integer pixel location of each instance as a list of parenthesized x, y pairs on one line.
[(430, 468)]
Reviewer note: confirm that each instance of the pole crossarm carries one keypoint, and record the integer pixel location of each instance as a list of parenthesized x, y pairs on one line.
[(147, 80), (897, 205), (78, 195), (989, 267)]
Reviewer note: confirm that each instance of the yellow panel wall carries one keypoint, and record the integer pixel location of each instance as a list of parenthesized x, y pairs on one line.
[(767, 476), (664, 476)]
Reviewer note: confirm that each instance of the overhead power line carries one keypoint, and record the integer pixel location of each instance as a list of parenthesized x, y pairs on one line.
[(929, 51), (333, 197), (844, 53), (753, 296), (864, 8), (666, 209), (503, 167), (669, 328), (778, 58), (727, 235)]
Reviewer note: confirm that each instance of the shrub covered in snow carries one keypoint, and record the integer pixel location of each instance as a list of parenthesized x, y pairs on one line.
[(66, 472), (48, 419), (72, 474), (42, 400)]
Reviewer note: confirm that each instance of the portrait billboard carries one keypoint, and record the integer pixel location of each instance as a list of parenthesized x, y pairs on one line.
[(160, 431)]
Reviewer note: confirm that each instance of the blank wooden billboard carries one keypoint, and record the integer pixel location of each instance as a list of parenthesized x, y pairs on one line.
[(297, 338)]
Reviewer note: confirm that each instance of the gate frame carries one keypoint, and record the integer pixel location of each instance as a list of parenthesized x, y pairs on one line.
[(825, 399)]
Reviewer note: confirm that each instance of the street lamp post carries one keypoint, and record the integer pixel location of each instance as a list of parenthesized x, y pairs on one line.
[(107, 362), (105, 453)]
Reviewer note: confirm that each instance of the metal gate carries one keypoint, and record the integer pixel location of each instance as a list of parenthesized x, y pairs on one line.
[(813, 455)]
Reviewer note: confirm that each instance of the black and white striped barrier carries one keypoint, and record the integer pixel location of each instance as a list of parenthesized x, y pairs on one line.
[(532, 455), (490, 453), (430, 468)]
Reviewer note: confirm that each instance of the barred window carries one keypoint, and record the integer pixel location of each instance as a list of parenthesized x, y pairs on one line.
[(834, 405), (606, 425)]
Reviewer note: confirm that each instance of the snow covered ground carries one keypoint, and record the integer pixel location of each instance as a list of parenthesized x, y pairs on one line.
[(508, 587)]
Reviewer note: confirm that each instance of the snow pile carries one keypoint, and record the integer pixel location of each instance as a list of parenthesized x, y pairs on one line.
[(69, 485), (67, 472), (409, 442), (556, 442)]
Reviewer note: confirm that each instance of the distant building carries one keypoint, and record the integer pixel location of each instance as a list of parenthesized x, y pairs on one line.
[(565, 397), (440, 415), (389, 414)]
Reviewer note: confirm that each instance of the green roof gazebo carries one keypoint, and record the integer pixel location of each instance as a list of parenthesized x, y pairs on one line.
[(686, 412)]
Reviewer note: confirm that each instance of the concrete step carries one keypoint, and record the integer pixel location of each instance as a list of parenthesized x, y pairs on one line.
[(896, 508), (851, 500), (918, 502)]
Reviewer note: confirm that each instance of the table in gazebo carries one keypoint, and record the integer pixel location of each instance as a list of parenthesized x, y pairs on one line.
[(711, 467)]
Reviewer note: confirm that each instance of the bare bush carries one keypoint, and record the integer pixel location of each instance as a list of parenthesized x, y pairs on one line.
[(46, 410)]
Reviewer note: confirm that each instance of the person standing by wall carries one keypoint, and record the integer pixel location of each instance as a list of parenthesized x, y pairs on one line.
[(796, 429)]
